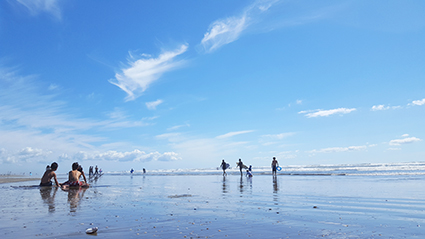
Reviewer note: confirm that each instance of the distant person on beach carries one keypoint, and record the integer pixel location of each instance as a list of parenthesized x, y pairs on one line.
[(74, 177), (90, 171), (275, 164), (49, 174), (144, 170), (131, 171), (224, 167), (250, 168), (96, 170), (240, 165)]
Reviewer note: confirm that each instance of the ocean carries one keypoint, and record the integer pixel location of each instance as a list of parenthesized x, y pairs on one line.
[(366, 169)]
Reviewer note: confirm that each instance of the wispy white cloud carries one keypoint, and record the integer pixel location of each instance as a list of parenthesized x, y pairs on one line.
[(152, 105), (176, 127), (133, 156), (40, 127), (404, 141), (222, 32), (135, 79), (339, 149), (419, 102), (383, 107), (231, 134), (277, 136), (36, 7), (225, 31), (379, 107), (321, 113)]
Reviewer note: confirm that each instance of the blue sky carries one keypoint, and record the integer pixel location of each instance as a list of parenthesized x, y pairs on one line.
[(185, 84)]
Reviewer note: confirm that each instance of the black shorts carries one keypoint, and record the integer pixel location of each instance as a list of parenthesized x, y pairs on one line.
[(46, 184)]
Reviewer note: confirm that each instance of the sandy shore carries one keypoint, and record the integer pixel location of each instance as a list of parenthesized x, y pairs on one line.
[(15, 178), (216, 207)]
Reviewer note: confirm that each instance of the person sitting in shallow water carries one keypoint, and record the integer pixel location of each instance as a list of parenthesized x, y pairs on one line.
[(49, 174), (74, 177)]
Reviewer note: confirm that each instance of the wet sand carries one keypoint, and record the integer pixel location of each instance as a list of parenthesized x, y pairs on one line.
[(15, 178), (210, 206)]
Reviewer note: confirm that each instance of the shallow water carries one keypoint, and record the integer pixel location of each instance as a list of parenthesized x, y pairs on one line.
[(212, 206)]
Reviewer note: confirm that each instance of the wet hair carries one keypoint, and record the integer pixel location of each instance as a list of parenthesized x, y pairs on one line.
[(54, 166), (80, 168), (75, 166)]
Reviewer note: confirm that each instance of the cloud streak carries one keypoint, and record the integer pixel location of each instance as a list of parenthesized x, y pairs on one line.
[(231, 134), (228, 30), (339, 149), (404, 141), (325, 113), (152, 105), (131, 156), (38, 6), (141, 73), (419, 102)]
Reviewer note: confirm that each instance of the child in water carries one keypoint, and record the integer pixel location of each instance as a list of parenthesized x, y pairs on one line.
[(74, 177), (49, 174), (248, 174)]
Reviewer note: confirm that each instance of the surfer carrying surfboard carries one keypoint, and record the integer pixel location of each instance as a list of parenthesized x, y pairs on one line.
[(240, 165), (275, 164), (224, 166)]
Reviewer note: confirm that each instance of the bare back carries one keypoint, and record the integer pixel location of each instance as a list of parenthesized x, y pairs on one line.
[(47, 176), (74, 176)]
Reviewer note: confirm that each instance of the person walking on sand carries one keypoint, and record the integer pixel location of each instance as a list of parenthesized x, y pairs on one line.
[(275, 164), (240, 165), (224, 167), (49, 174)]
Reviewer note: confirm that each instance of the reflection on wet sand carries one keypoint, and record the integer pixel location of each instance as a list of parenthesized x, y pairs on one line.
[(74, 197), (241, 185), (224, 185), (275, 190), (48, 195), (275, 186)]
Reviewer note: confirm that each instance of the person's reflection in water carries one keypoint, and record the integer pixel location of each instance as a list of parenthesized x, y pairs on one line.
[(48, 195), (275, 190), (241, 185), (275, 186), (224, 186), (74, 197)]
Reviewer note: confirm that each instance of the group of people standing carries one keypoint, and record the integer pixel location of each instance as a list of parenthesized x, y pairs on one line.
[(242, 166), (73, 176), (96, 171)]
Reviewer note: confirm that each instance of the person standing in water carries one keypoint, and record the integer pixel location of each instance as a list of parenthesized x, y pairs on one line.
[(240, 165), (224, 167), (96, 170), (275, 164), (49, 174)]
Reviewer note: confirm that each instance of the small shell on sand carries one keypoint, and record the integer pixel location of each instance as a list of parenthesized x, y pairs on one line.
[(91, 230)]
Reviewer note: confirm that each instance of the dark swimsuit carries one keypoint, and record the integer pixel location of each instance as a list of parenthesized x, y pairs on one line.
[(76, 183), (46, 184)]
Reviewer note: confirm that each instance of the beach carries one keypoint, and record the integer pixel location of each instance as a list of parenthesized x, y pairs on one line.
[(213, 206), (16, 178)]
